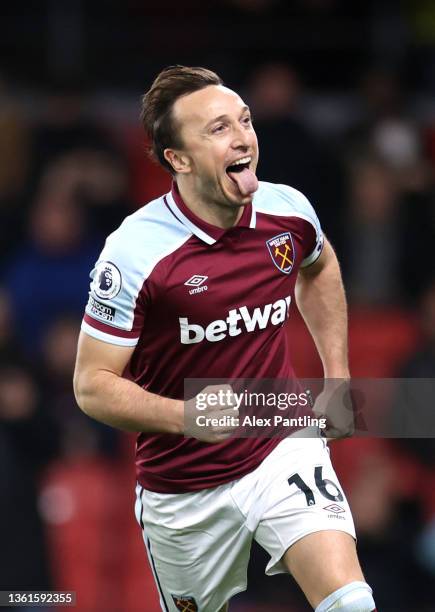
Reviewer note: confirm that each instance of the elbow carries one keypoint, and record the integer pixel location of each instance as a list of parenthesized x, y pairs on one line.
[(83, 391)]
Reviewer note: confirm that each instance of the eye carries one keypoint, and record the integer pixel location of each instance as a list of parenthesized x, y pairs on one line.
[(247, 120), (218, 128)]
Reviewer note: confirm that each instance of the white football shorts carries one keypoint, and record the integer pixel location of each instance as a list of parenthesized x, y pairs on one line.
[(199, 543)]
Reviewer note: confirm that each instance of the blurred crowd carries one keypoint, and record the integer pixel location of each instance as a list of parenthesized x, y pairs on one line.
[(70, 172)]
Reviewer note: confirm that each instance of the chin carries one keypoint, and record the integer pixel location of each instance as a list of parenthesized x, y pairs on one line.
[(237, 199)]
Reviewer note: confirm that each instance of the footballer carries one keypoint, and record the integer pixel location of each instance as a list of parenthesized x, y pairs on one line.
[(197, 284)]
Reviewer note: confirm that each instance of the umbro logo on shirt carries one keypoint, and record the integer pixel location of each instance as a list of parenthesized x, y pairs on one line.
[(197, 281)]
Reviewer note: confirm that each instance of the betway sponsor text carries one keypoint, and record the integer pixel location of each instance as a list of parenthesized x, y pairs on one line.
[(239, 320)]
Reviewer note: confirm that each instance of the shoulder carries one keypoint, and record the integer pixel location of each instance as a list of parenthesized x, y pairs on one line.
[(145, 237), (282, 200), (130, 254)]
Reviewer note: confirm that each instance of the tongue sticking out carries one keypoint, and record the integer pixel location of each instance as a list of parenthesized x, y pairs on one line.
[(246, 181)]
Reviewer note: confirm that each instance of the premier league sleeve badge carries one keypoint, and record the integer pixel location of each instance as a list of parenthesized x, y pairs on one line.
[(107, 280)]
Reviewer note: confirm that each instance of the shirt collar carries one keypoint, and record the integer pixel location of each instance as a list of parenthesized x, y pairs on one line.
[(207, 232)]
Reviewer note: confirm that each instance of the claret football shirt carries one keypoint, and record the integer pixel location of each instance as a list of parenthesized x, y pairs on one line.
[(198, 301)]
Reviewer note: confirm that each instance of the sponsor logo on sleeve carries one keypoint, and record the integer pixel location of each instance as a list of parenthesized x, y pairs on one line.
[(97, 309), (107, 280), (185, 604), (282, 252)]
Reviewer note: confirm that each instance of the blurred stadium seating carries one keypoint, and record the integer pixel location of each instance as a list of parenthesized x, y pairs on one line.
[(343, 97)]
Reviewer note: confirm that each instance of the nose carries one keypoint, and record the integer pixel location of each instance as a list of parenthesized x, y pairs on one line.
[(240, 137)]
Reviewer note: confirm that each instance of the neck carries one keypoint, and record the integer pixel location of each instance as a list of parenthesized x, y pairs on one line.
[(211, 212)]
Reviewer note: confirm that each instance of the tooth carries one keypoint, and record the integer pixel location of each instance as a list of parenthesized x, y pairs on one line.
[(244, 160)]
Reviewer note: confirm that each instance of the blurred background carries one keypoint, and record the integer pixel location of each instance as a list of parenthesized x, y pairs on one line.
[(343, 97)]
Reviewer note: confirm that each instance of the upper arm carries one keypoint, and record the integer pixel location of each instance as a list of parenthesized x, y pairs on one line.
[(291, 202), (326, 257), (93, 354), (95, 357), (114, 314), (115, 310)]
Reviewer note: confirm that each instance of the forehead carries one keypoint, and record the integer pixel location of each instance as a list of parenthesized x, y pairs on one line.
[(200, 107)]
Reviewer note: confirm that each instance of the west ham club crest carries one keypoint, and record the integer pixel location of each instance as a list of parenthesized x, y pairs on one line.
[(185, 604), (282, 252)]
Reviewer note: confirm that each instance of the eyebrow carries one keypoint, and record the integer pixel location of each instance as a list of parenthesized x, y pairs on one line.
[(222, 117)]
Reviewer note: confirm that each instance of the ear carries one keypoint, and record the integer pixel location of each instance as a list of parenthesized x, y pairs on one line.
[(179, 161)]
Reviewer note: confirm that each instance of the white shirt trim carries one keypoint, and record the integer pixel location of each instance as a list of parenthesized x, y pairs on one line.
[(191, 226), (104, 337)]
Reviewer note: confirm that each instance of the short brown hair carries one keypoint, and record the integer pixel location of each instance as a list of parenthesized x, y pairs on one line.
[(156, 114)]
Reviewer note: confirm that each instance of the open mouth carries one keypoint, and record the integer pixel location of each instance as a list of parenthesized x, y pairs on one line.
[(241, 175), (238, 166)]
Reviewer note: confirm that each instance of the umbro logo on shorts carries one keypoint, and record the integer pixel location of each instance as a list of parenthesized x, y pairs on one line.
[(334, 508), (185, 604), (197, 281)]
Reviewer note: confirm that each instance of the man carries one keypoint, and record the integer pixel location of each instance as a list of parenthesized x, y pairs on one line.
[(201, 501)]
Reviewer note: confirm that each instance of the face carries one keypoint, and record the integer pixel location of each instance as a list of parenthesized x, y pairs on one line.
[(216, 131)]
